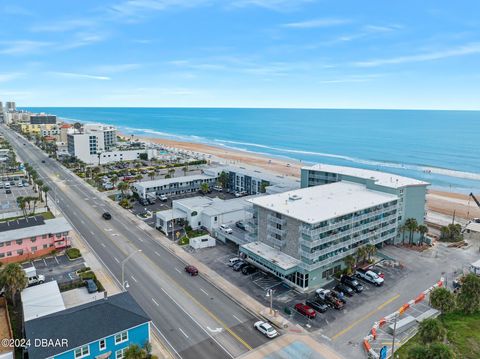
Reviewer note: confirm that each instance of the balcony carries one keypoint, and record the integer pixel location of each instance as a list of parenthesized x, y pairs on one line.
[(273, 229), (276, 243), (276, 220), (324, 251)]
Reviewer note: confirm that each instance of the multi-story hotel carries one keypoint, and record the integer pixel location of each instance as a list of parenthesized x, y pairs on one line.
[(411, 192)]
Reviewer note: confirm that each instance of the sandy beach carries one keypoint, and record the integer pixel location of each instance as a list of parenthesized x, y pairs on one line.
[(445, 203)]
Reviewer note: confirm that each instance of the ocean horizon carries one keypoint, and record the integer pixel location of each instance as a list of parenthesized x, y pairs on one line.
[(438, 146)]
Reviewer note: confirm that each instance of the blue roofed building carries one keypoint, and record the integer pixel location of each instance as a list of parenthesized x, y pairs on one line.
[(103, 328)]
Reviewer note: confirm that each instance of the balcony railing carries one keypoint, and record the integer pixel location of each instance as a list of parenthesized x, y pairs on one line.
[(276, 220), (276, 242), (275, 230)]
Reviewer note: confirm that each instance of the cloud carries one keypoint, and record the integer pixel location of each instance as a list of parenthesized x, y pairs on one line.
[(62, 26), (81, 39), (20, 47), (464, 50), (352, 78), (139, 8), (116, 68), (6, 77), (308, 24), (80, 76), (277, 5)]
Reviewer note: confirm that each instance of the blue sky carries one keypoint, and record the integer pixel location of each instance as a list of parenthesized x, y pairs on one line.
[(241, 53)]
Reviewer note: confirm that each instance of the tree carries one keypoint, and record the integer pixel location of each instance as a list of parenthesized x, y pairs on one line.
[(171, 172), (370, 250), (417, 352), (204, 188), (411, 225), (122, 187), (45, 190), (114, 179), (468, 299), (185, 170), (14, 279), (135, 352), (350, 263), (440, 351), (423, 230), (402, 230), (151, 174), (431, 330), (361, 254), (451, 233), (223, 179), (442, 299)]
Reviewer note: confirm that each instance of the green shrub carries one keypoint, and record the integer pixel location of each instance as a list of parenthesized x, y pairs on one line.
[(73, 253), (183, 241)]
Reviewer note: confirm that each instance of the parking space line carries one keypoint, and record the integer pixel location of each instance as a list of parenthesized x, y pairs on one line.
[(183, 332), (116, 259), (158, 254), (134, 279), (153, 300), (178, 270), (366, 316), (103, 245), (236, 318), (56, 259), (204, 292)]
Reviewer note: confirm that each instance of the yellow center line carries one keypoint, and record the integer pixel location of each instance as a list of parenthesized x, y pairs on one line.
[(366, 316)]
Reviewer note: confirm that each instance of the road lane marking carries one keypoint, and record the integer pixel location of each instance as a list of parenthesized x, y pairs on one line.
[(183, 332), (133, 279), (178, 270), (237, 318), (204, 292), (116, 259), (366, 316), (158, 254), (91, 232), (153, 300), (103, 245)]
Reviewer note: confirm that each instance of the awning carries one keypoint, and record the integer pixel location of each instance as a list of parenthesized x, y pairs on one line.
[(104, 355)]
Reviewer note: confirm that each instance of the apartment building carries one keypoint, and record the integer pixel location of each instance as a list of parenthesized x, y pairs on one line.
[(411, 192), (32, 237), (88, 143), (42, 118), (303, 236)]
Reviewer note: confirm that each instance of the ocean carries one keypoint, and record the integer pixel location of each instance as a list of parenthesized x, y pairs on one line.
[(441, 147)]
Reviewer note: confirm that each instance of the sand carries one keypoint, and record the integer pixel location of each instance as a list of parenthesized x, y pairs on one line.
[(437, 201)]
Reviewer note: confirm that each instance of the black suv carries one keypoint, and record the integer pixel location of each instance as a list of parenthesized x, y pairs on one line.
[(248, 269), (237, 267), (345, 289), (107, 215), (352, 283), (318, 305)]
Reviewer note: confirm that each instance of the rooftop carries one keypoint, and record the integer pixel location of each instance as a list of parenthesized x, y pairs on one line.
[(381, 178), (41, 300), (213, 206), (167, 181), (33, 228), (280, 259), (255, 172), (85, 323), (473, 226), (319, 203)]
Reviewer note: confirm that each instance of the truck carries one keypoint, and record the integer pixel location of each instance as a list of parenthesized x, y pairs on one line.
[(328, 298), (475, 267), (369, 276), (32, 276)]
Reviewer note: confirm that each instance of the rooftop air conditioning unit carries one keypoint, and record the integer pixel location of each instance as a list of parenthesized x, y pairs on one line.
[(294, 197)]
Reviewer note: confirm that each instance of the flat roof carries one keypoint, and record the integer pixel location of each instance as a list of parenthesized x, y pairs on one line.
[(256, 172), (170, 214), (473, 226), (381, 178), (55, 225), (41, 300), (319, 203), (272, 255), (167, 181)]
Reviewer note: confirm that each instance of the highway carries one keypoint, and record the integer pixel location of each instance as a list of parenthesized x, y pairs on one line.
[(191, 316)]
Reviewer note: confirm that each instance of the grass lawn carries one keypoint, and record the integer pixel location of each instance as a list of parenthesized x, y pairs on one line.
[(463, 335)]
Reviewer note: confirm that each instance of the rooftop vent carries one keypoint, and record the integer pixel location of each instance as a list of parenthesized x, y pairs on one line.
[(294, 197)]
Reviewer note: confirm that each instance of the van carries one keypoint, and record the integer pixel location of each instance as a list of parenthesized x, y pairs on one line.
[(7, 185), (232, 261), (218, 188)]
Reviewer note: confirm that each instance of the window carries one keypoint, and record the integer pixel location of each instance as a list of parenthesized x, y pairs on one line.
[(45, 246), (33, 239), (2, 255), (34, 249), (102, 344), (20, 252), (121, 337), (9, 254), (82, 352), (19, 241), (120, 354), (7, 243)]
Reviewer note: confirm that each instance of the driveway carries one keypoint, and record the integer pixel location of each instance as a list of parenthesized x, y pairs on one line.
[(58, 268)]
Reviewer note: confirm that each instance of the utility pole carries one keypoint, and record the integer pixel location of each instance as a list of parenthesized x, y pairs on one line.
[(393, 339)]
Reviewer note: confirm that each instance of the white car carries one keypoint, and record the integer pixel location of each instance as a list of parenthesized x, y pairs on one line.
[(226, 229), (19, 184), (163, 198), (266, 329)]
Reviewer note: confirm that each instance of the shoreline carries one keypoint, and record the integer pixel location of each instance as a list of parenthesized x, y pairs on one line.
[(442, 202)]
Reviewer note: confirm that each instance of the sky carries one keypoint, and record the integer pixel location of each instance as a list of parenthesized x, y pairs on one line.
[(241, 53)]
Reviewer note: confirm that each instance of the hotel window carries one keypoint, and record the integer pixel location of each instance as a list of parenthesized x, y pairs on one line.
[(45, 246), (34, 249), (2, 255), (20, 252), (120, 354), (9, 254), (19, 241), (7, 243), (33, 239), (44, 236), (102, 344), (121, 337), (82, 352)]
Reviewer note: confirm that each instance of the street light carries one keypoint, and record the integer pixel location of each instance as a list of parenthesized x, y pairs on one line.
[(270, 294), (123, 268)]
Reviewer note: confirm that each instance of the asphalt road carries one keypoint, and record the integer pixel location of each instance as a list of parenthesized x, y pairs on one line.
[(192, 316)]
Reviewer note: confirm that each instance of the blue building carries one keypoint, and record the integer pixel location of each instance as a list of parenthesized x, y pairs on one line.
[(103, 328)]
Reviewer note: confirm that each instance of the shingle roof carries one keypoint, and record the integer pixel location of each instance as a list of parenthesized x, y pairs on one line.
[(85, 323)]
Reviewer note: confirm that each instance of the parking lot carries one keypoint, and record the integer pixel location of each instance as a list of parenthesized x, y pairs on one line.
[(8, 202), (57, 267)]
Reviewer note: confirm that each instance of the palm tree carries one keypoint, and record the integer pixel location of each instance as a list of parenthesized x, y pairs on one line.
[(361, 254), (403, 229), (114, 179), (135, 352), (423, 230), (21, 204), (151, 174), (14, 279), (45, 190), (122, 187), (350, 263), (411, 225), (223, 179), (39, 184), (171, 172), (370, 250), (204, 188), (185, 170)]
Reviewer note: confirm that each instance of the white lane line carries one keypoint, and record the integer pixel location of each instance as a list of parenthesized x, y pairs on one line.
[(166, 340), (153, 300), (204, 292), (133, 279), (91, 232), (158, 254), (83, 222), (141, 240), (56, 260), (183, 332), (237, 318), (178, 270), (197, 323), (116, 259), (103, 245)]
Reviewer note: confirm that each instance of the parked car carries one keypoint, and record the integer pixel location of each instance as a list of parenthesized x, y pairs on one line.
[(233, 260), (266, 329), (369, 276), (352, 283), (249, 269), (226, 229), (106, 216), (339, 295), (318, 305), (345, 289), (163, 198), (8, 191), (377, 272), (239, 266), (218, 188), (91, 286), (143, 201), (240, 194), (305, 310), (240, 225), (191, 270), (20, 184), (327, 296), (1, 185)]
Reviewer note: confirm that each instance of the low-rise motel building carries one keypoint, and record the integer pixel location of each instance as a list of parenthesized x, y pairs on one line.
[(303, 236), (32, 237)]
